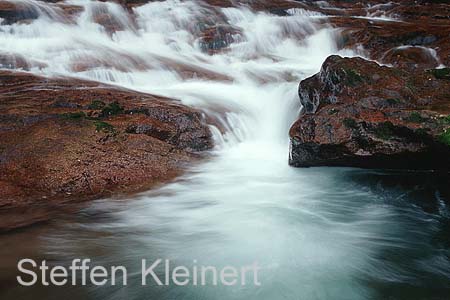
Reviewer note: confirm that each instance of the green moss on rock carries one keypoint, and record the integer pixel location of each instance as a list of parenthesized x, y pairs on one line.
[(422, 131), (74, 115), (441, 73), (111, 109), (384, 130), (393, 101), (96, 104), (333, 111), (353, 77), (101, 126), (446, 120), (445, 137), (415, 117), (350, 123), (411, 86)]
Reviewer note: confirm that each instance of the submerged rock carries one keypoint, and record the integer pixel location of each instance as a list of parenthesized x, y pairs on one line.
[(358, 113)]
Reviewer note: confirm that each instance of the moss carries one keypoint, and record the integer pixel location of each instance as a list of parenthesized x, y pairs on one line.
[(335, 78), (333, 111), (350, 123), (393, 101), (445, 137), (111, 109), (415, 117), (422, 131), (101, 126), (445, 120), (74, 115), (384, 130), (96, 104), (398, 72), (411, 86), (441, 73), (353, 77)]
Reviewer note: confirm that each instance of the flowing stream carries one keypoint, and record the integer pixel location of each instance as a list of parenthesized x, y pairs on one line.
[(319, 233)]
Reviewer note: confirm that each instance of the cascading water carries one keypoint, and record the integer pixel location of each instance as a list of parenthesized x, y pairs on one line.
[(254, 80), (316, 233)]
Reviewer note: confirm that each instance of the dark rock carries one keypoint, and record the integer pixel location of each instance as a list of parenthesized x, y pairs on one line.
[(358, 113)]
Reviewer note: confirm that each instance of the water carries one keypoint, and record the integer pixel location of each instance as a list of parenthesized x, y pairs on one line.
[(320, 233)]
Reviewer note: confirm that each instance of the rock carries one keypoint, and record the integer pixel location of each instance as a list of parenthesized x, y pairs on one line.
[(378, 38), (382, 27), (11, 12), (28, 11), (358, 113), (15, 61), (109, 22), (67, 140), (411, 58), (218, 37), (262, 5)]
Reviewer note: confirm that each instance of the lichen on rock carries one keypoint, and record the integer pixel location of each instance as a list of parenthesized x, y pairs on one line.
[(381, 117)]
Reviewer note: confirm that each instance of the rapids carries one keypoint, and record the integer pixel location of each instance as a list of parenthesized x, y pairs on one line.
[(320, 233)]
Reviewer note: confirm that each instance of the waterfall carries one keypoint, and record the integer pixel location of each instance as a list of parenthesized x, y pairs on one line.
[(248, 84)]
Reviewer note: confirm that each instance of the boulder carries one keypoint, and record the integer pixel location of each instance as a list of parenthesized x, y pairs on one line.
[(358, 113), (67, 140)]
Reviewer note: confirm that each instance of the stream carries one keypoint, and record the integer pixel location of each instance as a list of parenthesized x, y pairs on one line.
[(318, 233)]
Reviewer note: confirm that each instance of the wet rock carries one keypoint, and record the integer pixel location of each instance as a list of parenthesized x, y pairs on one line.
[(12, 61), (263, 5), (411, 57), (218, 37), (358, 113), (109, 23), (67, 140), (11, 12), (15, 61), (106, 15), (377, 28)]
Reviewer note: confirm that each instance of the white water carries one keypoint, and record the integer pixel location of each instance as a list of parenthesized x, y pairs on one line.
[(315, 235)]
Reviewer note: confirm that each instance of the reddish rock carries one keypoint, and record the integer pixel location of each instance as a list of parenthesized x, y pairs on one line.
[(411, 58), (358, 113), (422, 24), (414, 23), (12, 12), (109, 23), (66, 140)]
